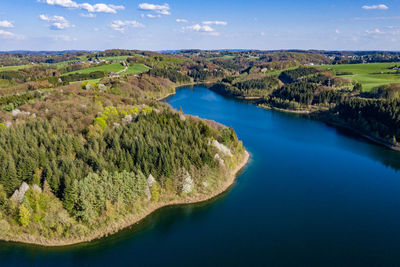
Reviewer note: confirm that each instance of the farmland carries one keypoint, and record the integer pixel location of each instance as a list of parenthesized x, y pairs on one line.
[(105, 68), (369, 75), (136, 69), (14, 67)]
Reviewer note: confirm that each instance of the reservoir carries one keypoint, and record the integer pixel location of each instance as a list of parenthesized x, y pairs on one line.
[(311, 195)]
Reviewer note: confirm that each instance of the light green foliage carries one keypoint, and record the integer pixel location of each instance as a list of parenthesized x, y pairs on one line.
[(101, 122), (113, 115), (147, 110), (155, 192), (92, 84), (2, 126), (36, 177), (24, 216), (37, 201)]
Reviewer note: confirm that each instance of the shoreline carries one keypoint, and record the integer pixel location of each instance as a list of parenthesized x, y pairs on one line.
[(342, 125), (331, 123), (182, 85), (133, 219)]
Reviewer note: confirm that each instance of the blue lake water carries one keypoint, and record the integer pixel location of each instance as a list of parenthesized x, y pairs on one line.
[(311, 195)]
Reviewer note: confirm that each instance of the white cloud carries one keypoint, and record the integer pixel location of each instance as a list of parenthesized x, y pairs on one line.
[(204, 29), (160, 9), (337, 31), (182, 20), (63, 3), (6, 24), (121, 26), (95, 8), (380, 7), (88, 15), (219, 23), (199, 28), (6, 34), (56, 22), (151, 16), (375, 31), (10, 35), (101, 8)]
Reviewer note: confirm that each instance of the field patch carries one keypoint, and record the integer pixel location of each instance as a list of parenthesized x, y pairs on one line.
[(15, 67), (369, 75), (136, 69), (105, 68)]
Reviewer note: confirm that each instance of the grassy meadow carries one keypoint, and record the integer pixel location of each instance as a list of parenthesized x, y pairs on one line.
[(14, 67), (106, 68), (369, 75), (136, 69)]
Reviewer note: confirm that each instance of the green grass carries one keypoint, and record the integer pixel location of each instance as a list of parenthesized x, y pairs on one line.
[(64, 63), (83, 57), (106, 68), (223, 57), (14, 67), (136, 69), (369, 75), (278, 72), (117, 58)]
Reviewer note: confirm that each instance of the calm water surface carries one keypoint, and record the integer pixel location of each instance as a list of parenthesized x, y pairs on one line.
[(310, 196)]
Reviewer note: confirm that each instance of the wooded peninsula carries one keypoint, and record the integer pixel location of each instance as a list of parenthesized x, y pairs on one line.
[(87, 148)]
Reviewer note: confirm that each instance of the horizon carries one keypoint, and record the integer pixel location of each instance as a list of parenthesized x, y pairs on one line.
[(59, 25), (197, 49)]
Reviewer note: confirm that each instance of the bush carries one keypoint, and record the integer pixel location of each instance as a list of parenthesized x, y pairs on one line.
[(24, 216)]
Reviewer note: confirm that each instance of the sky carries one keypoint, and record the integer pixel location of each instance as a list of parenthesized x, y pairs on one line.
[(207, 24)]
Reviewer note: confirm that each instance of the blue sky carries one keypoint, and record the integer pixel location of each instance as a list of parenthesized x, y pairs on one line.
[(206, 24)]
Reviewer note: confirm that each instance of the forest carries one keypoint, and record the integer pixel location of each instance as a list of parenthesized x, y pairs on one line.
[(81, 151)]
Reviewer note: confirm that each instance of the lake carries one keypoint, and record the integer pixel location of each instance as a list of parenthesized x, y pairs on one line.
[(311, 195)]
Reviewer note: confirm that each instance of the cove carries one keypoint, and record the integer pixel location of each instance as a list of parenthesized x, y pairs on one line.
[(312, 195)]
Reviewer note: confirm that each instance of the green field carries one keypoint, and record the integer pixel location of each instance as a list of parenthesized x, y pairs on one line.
[(369, 75), (136, 69), (14, 67), (278, 72), (64, 63), (229, 57), (119, 58), (106, 68)]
